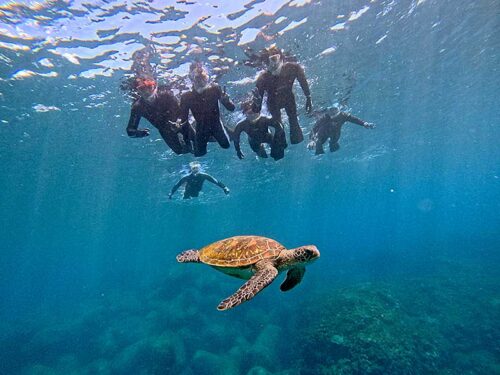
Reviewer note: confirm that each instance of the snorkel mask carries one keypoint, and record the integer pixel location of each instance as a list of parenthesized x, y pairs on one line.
[(194, 166), (198, 76), (275, 63), (332, 111), (146, 88)]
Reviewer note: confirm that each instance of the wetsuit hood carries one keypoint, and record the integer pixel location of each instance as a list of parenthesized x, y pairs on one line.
[(194, 167), (332, 111)]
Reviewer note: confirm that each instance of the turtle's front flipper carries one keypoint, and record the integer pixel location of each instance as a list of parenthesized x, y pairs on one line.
[(189, 256), (293, 278), (264, 276)]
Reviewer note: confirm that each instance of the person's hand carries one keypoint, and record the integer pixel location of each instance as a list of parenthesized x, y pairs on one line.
[(256, 100), (226, 190), (240, 155), (309, 105), (175, 126), (369, 125), (170, 196), (140, 133)]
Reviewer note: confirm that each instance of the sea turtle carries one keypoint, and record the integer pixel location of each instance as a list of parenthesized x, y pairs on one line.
[(253, 258)]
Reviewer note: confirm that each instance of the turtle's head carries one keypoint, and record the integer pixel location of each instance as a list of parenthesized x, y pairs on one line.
[(305, 254)]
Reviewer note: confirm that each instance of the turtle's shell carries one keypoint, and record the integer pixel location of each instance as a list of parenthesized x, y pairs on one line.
[(240, 251)]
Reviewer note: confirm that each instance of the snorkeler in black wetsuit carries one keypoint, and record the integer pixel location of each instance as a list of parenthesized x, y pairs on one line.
[(278, 81), (257, 129), (194, 182), (160, 107), (203, 101), (329, 126)]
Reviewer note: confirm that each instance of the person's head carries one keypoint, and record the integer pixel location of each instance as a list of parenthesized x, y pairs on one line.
[(199, 76), (146, 87), (275, 64), (332, 111), (247, 109), (274, 60), (194, 167)]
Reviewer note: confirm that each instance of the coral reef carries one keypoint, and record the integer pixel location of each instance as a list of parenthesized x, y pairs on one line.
[(420, 326), (445, 324)]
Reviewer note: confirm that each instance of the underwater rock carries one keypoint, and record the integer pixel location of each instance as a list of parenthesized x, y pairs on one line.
[(145, 356), (265, 351), (258, 370), (208, 363), (39, 370), (100, 366), (363, 330), (50, 344)]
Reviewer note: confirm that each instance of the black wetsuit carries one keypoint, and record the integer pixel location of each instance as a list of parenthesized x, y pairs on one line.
[(205, 109), (194, 183), (258, 134), (162, 112), (330, 127), (280, 95)]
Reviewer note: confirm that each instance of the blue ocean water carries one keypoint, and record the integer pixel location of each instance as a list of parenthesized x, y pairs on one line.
[(406, 215)]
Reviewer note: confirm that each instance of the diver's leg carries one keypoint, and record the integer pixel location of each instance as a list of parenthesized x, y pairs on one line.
[(200, 142), (257, 147), (279, 132), (277, 152), (277, 149), (319, 145), (334, 146), (334, 140), (187, 132), (220, 135), (275, 112), (296, 135), (172, 140)]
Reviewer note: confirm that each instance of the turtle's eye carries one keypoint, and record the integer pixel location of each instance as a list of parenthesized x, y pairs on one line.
[(312, 252)]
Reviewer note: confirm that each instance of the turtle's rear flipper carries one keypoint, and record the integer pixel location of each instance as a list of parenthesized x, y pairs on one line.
[(293, 278), (189, 256), (264, 276)]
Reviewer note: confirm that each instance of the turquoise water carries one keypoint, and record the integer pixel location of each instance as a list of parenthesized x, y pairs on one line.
[(405, 215)]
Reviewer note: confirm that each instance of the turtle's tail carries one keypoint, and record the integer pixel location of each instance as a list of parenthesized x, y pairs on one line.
[(189, 256)]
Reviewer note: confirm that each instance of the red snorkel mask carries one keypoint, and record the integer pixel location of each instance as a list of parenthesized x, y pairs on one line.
[(146, 84)]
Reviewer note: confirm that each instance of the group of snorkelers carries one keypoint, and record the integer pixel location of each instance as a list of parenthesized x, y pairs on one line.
[(161, 108)]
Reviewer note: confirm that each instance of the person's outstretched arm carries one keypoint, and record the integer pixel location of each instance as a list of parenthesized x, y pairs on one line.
[(301, 77), (279, 131), (225, 100), (176, 186), (215, 182), (358, 121), (133, 124)]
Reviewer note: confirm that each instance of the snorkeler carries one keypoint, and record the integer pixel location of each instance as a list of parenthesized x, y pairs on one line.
[(194, 182), (329, 125), (160, 107), (203, 101), (257, 129), (278, 81)]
